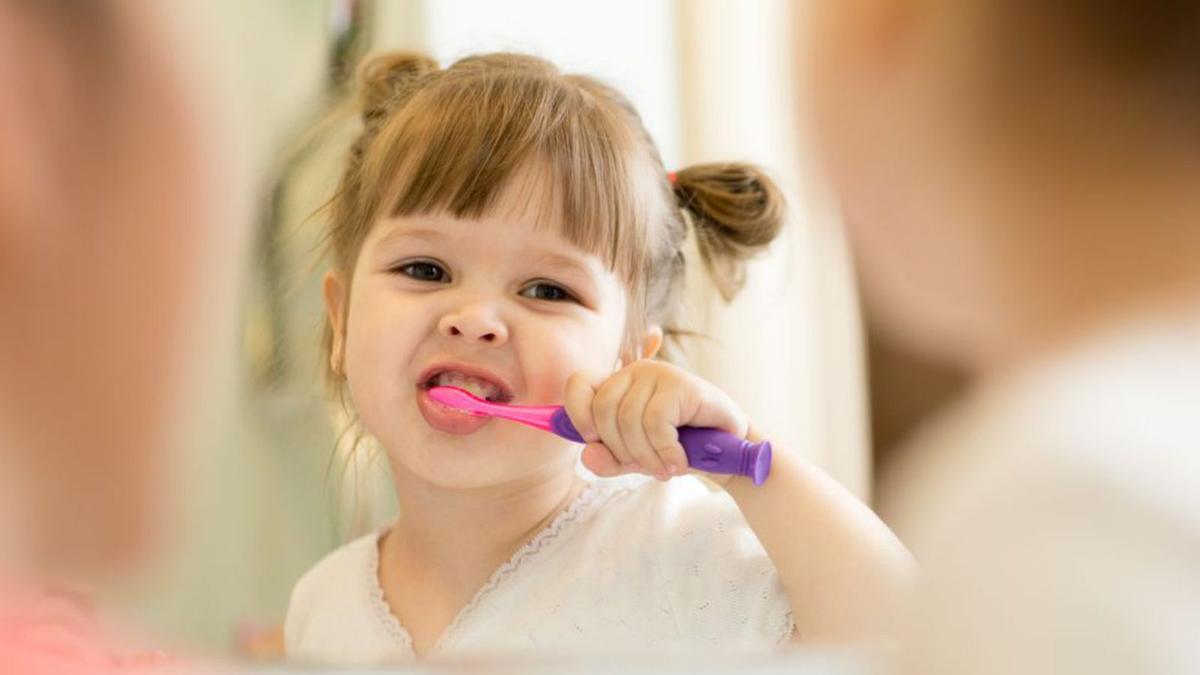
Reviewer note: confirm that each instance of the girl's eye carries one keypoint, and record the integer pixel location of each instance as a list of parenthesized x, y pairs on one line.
[(549, 292), (423, 271)]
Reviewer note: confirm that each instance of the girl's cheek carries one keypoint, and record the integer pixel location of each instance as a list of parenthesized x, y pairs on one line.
[(593, 351), (548, 361)]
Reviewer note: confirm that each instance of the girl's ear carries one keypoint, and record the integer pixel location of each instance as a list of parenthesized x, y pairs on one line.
[(335, 302), (651, 342), (647, 347)]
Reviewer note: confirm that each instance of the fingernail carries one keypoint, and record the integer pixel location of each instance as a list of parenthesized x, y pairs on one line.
[(635, 466), (662, 475), (673, 470)]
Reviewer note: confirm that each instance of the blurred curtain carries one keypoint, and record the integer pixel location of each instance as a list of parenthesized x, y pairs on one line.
[(789, 348)]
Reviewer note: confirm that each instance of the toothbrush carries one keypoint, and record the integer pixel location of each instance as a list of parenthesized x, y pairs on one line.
[(707, 449)]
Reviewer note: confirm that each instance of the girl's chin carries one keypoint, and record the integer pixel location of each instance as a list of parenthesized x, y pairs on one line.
[(459, 474)]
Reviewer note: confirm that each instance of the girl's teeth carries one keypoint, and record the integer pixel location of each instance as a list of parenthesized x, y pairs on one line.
[(477, 387)]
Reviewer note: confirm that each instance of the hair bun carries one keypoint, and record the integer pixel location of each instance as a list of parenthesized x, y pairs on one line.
[(737, 211), (384, 78)]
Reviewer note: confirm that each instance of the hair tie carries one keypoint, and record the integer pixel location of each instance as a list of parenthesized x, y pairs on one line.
[(671, 177)]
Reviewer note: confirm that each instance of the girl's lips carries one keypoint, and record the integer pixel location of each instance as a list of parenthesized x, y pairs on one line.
[(447, 419)]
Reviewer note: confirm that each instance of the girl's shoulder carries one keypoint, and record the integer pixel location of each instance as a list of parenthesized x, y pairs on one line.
[(349, 561), (334, 597)]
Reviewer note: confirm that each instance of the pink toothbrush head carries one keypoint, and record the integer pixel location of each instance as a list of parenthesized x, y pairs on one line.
[(710, 450), (541, 417)]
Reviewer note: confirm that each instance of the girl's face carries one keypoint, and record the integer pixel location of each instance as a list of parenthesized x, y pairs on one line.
[(495, 304)]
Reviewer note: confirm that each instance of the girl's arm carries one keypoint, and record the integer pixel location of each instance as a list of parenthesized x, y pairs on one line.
[(844, 572)]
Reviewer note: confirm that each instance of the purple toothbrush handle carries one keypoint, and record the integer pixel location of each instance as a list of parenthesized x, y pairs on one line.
[(707, 449)]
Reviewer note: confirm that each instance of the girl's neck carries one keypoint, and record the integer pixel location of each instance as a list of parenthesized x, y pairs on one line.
[(460, 537)]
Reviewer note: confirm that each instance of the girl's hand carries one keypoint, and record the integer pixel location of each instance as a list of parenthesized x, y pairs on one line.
[(629, 418)]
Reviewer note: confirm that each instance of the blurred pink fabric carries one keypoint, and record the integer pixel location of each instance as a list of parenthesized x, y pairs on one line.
[(49, 632)]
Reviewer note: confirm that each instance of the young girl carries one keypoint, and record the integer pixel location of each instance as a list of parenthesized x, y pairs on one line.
[(506, 228)]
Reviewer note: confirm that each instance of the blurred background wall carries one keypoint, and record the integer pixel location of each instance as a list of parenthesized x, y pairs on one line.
[(268, 495)]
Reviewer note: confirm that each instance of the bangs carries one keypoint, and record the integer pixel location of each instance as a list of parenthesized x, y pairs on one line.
[(457, 145)]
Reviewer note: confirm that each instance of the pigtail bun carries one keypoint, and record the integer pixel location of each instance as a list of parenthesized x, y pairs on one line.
[(736, 212), (386, 79)]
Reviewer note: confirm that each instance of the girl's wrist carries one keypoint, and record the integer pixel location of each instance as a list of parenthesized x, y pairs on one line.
[(733, 482)]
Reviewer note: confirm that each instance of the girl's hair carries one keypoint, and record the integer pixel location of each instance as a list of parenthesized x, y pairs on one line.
[(452, 139)]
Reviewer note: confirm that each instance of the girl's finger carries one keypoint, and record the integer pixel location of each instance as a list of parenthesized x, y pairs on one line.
[(581, 389), (631, 413), (604, 414), (708, 406), (659, 422), (598, 459)]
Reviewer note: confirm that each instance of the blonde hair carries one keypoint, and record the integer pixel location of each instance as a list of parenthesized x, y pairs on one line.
[(451, 140)]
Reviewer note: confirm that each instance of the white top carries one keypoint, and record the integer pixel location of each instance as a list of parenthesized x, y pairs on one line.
[(1057, 516), (632, 564)]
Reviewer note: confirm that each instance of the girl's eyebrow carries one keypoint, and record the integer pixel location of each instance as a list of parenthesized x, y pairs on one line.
[(416, 233), (562, 262)]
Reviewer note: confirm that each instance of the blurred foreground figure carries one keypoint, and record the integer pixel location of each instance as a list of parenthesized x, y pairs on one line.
[(110, 208), (1021, 181)]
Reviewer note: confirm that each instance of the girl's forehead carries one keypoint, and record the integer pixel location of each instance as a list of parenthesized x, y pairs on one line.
[(528, 206)]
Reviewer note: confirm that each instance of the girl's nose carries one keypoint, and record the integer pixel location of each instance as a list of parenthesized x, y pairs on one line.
[(475, 324)]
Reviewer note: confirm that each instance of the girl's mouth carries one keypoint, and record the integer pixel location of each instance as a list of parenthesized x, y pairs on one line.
[(482, 387)]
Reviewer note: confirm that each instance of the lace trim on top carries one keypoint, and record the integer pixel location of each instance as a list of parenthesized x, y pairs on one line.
[(379, 607), (592, 497), (785, 629)]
